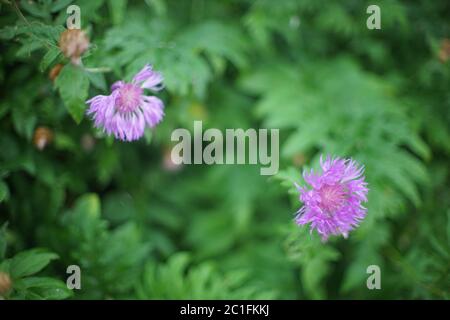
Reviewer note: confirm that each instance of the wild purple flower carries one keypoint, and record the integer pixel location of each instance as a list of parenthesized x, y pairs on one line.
[(126, 112), (333, 205)]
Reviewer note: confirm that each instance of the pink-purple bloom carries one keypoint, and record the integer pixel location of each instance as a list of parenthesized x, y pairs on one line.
[(127, 111), (333, 205)]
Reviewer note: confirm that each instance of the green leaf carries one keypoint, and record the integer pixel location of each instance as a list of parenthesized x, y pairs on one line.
[(34, 8), (30, 262), (88, 206), (24, 121), (43, 288), (60, 4), (73, 85), (8, 32), (159, 6), (97, 79), (117, 9), (4, 191), (84, 219), (28, 47), (65, 142), (48, 58)]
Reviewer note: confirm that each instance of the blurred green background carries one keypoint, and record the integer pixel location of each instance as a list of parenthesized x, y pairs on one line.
[(141, 228)]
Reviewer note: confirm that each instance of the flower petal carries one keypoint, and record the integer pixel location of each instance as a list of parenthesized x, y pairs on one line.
[(149, 79), (117, 85), (153, 110)]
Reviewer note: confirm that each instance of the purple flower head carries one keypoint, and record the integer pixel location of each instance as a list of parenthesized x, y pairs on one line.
[(333, 204), (126, 112)]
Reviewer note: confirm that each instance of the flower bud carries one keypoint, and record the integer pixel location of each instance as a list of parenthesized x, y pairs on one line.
[(73, 43), (5, 283), (42, 137)]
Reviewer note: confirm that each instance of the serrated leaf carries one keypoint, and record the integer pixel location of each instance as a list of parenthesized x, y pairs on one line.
[(73, 86)]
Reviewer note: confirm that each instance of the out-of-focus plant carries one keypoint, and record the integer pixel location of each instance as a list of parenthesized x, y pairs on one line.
[(140, 227)]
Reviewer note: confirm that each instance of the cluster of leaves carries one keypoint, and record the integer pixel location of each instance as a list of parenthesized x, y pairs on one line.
[(21, 270), (140, 227)]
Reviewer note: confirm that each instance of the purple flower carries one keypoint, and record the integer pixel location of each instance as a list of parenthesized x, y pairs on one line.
[(126, 112), (333, 205)]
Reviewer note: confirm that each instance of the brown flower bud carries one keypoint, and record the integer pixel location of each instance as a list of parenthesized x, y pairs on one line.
[(444, 52), (73, 43), (55, 71), (42, 137), (5, 283)]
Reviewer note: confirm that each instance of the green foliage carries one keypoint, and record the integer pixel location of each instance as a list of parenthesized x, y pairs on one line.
[(49, 58), (30, 262), (22, 269), (139, 227), (111, 261), (73, 86), (174, 281)]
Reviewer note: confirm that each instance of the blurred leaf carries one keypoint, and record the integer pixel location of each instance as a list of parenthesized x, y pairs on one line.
[(60, 4), (34, 8), (3, 241), (148, 136), (73, 85), (24, 121), (43, 288), (48, 58), (117, 9), (4, 191), (30, 262), (97, 79)]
